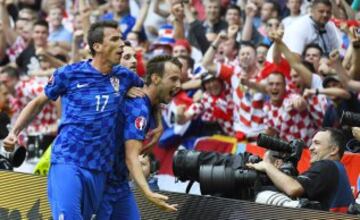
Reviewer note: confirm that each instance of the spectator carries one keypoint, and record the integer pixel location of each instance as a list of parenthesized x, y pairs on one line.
[(245, 31), (4, 100), (313, 54), (325, 181), (216, 105), (16, 39), (202, 33), (28, 60), (58, 34), (270, 9), (342, 100), (295, 12), (186, 68), (164, 43), (248, 110), (261, 51), (181, 48), (313, 28), (227, 52), (249, 32), (22, 91), (120, 11), (271, 25), (290, 116)]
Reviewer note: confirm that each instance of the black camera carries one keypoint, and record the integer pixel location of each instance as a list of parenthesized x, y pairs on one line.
[(226, 175), (350, 118), (9, 160)]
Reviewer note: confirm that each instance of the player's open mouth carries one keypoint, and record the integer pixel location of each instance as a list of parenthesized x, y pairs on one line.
[(174, 92), (274, 93)]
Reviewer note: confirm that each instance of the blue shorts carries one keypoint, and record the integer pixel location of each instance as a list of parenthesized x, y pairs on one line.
[(118, 203), (74, 192)]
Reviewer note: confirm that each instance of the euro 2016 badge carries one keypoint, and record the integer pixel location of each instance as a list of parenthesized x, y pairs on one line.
[(140, 123), (115, 82)]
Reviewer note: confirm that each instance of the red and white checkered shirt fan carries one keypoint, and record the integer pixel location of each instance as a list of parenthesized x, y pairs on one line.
[(216, 109), (291, 123), (26, 90)]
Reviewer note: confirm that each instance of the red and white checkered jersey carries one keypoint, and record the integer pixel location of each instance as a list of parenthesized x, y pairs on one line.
[(291, 88), (16, 48), (248, 103), (26, 90), (216, 109), (291, 123)]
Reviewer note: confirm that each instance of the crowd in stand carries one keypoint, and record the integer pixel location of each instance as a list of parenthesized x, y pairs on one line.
[(281, 67)]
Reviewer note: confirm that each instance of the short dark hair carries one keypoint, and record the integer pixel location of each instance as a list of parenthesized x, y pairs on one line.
[(276, 6), (42, 23), (96, 33), (11, 72), (247, 44), (157, 66), (325, 2), (337, 138), (190, 61), (313, 45), (234, 7)]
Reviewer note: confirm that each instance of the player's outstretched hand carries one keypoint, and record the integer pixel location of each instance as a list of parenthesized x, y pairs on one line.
[(160, 201), (9, 142)]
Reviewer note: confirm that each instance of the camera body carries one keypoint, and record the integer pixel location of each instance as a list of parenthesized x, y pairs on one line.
[(9, 160), (226, 175)]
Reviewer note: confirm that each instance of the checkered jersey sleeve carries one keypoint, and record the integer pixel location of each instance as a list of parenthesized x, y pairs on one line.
[(57, 84), (195, 110), (135, 120), (315, 104)]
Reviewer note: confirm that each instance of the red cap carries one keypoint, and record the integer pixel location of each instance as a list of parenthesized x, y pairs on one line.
[(184, 43)]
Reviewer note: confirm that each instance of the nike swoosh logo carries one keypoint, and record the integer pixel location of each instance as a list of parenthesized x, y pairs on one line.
[(82, 85)]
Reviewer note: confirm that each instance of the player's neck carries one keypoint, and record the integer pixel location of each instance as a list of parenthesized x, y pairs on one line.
[(151, 92), (101, 65)]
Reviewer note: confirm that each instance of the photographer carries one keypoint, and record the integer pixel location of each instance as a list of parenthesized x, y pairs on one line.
[(326, 180)]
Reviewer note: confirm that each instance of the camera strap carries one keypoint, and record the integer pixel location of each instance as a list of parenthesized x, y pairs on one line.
[(189, 186)]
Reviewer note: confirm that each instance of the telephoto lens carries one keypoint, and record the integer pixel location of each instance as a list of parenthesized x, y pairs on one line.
[(186, 165), (272, 143)]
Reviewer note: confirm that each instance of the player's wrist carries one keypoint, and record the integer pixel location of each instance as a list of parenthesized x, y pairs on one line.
[(147, 192)]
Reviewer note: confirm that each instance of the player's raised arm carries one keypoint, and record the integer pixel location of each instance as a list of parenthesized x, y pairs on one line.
[(133, 149), (26, 116)]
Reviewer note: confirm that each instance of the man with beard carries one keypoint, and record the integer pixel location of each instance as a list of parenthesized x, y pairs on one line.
[(82, 154), (162, 83)]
